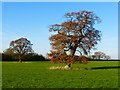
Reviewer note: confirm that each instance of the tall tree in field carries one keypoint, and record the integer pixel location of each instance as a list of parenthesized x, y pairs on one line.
[(20, 47), (75, 34)]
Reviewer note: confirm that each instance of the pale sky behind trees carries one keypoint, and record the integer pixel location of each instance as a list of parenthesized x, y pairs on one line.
[(32, 20)]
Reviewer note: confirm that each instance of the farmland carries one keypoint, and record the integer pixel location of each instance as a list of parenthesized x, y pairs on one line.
[(103, 74)]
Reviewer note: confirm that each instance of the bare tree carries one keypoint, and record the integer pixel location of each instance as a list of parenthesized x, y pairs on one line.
[(99, 55), (75, 34), (107, 57)]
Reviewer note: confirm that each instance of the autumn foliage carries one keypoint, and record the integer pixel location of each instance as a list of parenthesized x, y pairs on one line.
[(68, 59), (77, 34)]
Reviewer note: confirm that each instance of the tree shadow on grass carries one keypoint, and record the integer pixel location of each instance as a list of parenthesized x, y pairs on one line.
[(106, 67)]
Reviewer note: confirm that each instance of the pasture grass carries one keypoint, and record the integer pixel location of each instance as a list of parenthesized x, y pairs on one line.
[(104, 74)]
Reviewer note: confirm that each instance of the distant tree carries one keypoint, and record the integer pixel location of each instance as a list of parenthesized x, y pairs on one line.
[(20, 47), (0, 56), (93, 57), (107, 57), (33, 57), (76, 34), (99, 55), (8, 53)]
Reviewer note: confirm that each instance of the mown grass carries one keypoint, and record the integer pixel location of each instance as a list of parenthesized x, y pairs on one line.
[(104, 74)]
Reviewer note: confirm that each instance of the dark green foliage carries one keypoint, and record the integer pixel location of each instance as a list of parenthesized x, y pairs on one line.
[(20, 47), (0, 56), (34, 57), (6, 57), (27, 57)]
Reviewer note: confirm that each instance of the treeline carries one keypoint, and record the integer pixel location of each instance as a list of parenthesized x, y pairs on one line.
[(103, 60), (26, 57)]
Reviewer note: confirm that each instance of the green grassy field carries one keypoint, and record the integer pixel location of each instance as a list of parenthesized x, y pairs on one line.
[(104, 74)]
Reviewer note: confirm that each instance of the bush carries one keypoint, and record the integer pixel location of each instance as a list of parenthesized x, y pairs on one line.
[(27, 57), (6, 57), (33, 57)]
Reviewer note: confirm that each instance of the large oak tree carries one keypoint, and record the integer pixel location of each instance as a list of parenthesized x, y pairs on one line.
[(75, 34), (20, 47)]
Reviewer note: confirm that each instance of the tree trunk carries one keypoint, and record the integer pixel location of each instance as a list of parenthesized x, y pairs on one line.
[(72, 52), (68, 66), (20, 59)]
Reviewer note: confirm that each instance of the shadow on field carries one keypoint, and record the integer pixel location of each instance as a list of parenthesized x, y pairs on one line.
[(107, 67)]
